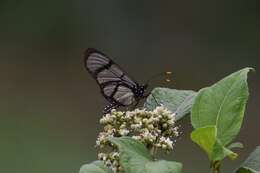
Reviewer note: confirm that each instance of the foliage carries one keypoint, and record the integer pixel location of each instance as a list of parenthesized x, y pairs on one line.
[(135, 158), (252, 164), (177, 101), (94, 167), (217, 114)]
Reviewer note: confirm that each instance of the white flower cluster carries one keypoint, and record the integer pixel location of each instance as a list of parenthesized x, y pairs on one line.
[(111, 160), (155, 129)]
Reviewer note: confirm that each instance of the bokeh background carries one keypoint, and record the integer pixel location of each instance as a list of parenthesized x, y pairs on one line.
[(49, 104)]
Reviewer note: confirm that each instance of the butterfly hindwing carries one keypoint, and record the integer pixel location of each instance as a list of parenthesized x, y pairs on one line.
[(118, 93), (124, 95)]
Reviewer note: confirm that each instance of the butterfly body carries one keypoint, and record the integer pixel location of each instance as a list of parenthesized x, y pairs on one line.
[(115, 85)]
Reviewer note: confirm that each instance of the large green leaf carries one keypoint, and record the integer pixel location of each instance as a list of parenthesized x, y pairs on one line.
[(95, 167), (252, 163), (222, 105), (135, 158), (206, 138), (177, 101)]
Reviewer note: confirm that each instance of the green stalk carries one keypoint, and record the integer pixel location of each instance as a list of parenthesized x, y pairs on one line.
[(216, 167), (153, 151)]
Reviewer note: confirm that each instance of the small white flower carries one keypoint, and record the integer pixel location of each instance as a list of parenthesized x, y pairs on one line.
[(108, 163), (169, 143), (115, 155), (150, 127), (123, 132), (136, 126), (102, 156), (137, 137)]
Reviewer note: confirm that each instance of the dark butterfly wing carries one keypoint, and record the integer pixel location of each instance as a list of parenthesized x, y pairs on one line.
[(115, 85), (103, 69), (117, 95)]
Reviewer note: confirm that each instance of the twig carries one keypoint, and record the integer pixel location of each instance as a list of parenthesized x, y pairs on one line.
[(216, 167)]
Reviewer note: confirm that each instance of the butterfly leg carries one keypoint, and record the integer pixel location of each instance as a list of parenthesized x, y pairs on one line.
[(137, 102)]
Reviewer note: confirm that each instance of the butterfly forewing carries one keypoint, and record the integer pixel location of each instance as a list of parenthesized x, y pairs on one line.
[(103, 69), (108, 75), (95, 61)]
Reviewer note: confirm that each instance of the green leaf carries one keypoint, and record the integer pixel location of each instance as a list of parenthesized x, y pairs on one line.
[(95, 167), (222, 105), (206, 138), (163, 166), (135, 158), (220, 152), (177, 101), (252, 163)]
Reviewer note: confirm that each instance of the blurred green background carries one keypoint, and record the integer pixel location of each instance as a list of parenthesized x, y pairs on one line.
[(49, 104)]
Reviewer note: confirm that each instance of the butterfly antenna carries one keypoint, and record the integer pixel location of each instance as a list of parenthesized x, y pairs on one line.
[(166, 74)]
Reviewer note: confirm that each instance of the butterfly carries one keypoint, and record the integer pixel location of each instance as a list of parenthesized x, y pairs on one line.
[(116, 86)]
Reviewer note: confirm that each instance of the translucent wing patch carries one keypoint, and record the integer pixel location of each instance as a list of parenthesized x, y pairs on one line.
[(109, 90), (95, 62), (110, 74), (124, 95)]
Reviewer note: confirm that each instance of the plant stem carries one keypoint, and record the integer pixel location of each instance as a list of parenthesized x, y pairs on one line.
[(153, 151), (216, 167)]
